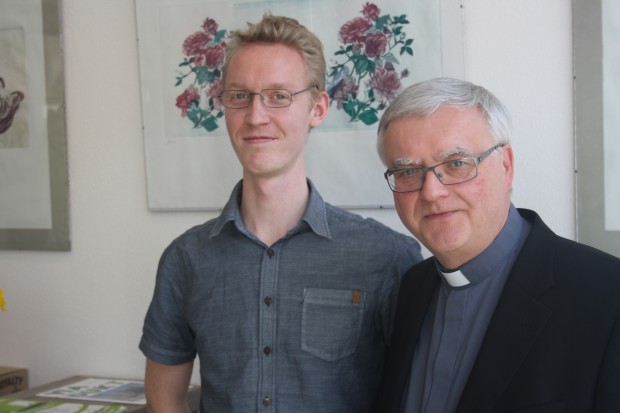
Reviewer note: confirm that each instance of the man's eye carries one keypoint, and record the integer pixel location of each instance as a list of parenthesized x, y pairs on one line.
[(406, 173), (277, 95), (464, 163), (239, 96)]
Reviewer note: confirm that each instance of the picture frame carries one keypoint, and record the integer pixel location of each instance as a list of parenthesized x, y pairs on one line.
[(34, 189), (596, 26), (189, 167)]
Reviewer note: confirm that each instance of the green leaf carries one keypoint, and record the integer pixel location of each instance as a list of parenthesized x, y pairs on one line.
[(402, 19), (362, 64), (203, 75), (369, 117), (408, 42), (391, 58), (179, 81), (219, 36), (210, 124), (349, 108), (372, 65), (382, 21)]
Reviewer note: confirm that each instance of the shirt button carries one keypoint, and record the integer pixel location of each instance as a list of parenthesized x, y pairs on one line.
[(266, 401), (270, 252), (267, 351), (268, 301)]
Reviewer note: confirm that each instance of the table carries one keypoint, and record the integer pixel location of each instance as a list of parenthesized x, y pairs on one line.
[(193, 396)]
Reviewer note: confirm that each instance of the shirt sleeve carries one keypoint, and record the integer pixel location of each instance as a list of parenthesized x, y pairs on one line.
[(407, 253), (166, 335)]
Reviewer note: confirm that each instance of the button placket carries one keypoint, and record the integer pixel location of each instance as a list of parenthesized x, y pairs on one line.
[(268, 280)]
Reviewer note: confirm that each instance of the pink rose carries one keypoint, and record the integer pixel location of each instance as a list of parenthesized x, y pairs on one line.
[(376, 44), (210, 26), (385, 83), (345, 90), (185, 99), (196, 43), (354, 31), (214, 92), (371, 11), (214, 56)]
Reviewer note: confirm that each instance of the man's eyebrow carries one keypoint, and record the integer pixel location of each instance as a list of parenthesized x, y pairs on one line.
[(458, 151), (240, 86), (450, 153), (405, 162)]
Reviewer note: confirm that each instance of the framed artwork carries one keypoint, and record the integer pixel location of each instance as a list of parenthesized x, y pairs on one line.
[(373, 50), (596, 28), (34, 210)]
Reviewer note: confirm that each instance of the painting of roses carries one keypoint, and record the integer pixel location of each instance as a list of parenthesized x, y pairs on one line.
[(373, 50)]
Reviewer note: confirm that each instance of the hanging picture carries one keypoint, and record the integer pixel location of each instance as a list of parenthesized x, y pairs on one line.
[(34, 193), (373, 50)]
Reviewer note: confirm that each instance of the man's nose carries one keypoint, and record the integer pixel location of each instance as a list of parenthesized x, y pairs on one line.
[(432, 186)]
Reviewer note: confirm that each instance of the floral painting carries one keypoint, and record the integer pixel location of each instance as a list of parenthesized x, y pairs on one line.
[(373, 50), (204, 55), (364, 76)]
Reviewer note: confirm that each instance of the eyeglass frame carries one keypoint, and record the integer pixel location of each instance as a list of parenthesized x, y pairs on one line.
[(425, 169), (262, 98)]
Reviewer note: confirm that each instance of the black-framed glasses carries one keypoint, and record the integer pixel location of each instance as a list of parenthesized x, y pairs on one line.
[(272, 98), (452, 172)]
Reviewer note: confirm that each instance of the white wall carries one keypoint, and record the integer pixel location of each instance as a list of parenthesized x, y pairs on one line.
[(81, 312)]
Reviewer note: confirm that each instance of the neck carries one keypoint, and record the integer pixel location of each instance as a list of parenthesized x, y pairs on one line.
[(271, 207)]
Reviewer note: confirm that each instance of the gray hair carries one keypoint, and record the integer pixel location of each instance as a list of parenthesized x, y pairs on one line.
[(424, 98)]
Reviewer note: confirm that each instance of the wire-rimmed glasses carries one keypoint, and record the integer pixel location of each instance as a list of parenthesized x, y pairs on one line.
[(452, 172), (272, 98)]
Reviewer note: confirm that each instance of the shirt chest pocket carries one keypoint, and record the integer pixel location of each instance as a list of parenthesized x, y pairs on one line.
[(331, 322)]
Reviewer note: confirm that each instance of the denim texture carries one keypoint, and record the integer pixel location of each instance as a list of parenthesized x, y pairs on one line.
[(299, 326)]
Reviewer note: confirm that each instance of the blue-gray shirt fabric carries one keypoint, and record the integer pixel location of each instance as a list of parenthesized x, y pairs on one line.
[(457, 322), (299, 326)]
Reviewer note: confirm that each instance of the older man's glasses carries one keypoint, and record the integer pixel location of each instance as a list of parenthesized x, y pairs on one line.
[(452, 172), (272, 98)]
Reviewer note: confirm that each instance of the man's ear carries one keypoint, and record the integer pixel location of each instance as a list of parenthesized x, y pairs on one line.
[(508, 164), (319, 109)]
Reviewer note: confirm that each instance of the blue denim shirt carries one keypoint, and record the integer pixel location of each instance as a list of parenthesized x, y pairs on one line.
[(300, 326)]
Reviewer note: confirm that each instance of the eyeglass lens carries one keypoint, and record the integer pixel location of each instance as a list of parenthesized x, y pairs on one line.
[(451, 172), (273, 98)]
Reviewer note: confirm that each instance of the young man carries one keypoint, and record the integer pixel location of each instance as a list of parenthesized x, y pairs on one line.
[(507, 316), (286, 300)]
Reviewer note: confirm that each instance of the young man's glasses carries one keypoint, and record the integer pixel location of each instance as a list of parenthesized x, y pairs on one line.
[(272, 98)]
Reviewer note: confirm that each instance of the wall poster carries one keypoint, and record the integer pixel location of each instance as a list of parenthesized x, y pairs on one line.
[(373, 50), (34, 212)]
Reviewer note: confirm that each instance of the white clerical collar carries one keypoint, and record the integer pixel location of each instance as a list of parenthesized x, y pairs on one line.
[(455, 278)]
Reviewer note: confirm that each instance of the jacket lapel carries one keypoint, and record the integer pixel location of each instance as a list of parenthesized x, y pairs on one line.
[(516, 323), (416, 292)]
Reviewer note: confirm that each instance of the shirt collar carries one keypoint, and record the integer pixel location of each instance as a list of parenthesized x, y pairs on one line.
[(315, 216), (454, 278), (508, 241)]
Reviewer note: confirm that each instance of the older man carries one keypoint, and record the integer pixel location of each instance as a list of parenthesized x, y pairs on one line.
[(507, 316)]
